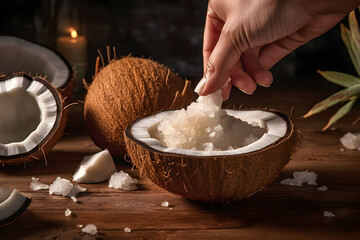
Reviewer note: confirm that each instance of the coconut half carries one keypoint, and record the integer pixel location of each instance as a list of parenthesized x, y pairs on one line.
[(32, 121), (20, 55), (12, 206), (214, 176)]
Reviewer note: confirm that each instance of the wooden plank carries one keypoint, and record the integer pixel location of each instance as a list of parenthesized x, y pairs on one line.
[(278, 212)]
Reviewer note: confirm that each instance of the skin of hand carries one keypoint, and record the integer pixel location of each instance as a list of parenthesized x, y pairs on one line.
[(243, 39)]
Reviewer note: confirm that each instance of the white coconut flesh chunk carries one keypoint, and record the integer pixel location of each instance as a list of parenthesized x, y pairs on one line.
[(13, 206), (95, 168), (30, 112), (19, 55), (273, 128)]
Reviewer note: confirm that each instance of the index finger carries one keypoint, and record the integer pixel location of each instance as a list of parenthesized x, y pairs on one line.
[(213, 27)]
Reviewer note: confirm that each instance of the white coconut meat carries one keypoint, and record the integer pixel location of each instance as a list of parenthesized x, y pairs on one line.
[(204, 129), (19, 55), (95, 168), (13, 206), (31, 114)]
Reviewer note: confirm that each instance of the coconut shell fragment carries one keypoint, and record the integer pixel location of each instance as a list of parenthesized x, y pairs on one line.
[(126, 89), (209, 178), (13, 206)]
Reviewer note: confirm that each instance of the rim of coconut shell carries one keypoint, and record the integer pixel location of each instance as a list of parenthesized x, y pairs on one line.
[(66, 88), (290, 131), (53, 135), (171, 171)]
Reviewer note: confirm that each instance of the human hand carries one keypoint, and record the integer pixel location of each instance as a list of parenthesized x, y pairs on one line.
[(244, 39)]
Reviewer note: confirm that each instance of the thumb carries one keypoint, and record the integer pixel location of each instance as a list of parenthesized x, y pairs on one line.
[(219, 65)]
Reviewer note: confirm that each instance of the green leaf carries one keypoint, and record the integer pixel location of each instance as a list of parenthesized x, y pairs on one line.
[(338, 97), (343, 111), (354, 27), (353, 47), (342, 79)]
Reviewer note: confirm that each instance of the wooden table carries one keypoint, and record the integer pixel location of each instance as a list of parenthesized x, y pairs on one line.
[(278, 212)]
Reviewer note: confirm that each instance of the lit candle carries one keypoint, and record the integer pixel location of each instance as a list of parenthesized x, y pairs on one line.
[(73, 48)]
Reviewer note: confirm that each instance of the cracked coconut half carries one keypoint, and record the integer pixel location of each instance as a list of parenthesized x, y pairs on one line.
[(210, 154), (32, 121)]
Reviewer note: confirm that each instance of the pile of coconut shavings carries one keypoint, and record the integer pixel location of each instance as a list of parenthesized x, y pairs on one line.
[(64, 187), (301, 177), (67, 212), (90, 229), (60, 186), (122, 180), (36, 184), (351, 141), (328, 214), (205, 126)]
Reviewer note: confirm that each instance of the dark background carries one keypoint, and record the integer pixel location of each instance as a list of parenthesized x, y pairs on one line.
[(168, 31)]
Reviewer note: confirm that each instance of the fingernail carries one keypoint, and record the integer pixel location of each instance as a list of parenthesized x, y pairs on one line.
[(201, 85), (226, 84), (264, 85), (248, 93)]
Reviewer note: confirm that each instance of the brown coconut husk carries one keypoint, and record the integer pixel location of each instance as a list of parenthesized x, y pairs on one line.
[(218, 179), (39, 152), (126, 89)]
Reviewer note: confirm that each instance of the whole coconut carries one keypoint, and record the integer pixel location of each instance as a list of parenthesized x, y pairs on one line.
[(125, 90)]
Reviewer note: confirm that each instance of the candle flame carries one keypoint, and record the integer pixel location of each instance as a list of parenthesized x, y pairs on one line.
[(73, 33)]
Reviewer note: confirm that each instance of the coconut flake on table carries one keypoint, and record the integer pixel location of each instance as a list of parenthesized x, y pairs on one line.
[(328, 214), (205, 126), (95, 168), (67, 212), (90, 229), (165, 204), (64, 187), (74, 199), (323, 188), (36, 184), (122, 180), (351, 141), (301, 177), (127, 230)]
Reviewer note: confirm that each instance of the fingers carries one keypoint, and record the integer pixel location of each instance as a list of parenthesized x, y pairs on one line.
[(242, 80), (252, 66), (226, 89), (273, 53), (213, 27), (222, 59)]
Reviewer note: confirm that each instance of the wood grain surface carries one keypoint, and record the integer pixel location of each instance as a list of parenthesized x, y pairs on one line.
[(278, 212)]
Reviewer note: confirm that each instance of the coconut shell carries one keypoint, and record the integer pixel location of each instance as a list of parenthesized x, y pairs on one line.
[(39, 152), (218, 179), (125, 90), (65, 88)]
